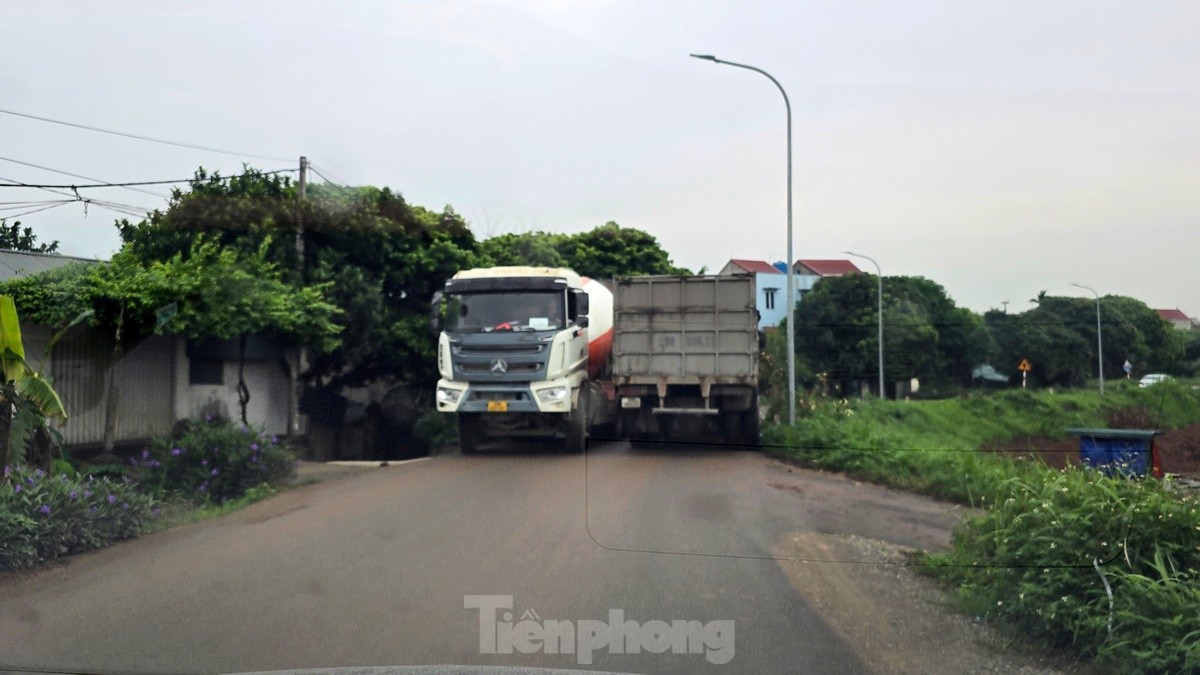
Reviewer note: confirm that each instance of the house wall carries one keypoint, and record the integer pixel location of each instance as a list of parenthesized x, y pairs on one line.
[(266, 381), (152, 386), (143, 387), (774, 316)]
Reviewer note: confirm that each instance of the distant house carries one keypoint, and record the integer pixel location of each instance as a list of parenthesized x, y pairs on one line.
[(1178, 319), (826, 268), (771, 282), (159, 381)]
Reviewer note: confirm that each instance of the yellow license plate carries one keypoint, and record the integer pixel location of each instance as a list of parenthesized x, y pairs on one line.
[(497, 406)]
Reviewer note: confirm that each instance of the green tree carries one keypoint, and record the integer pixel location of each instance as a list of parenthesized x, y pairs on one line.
[(218, 293), (14, 238), (925, 334), (378, 258), (611, 250), (1058, 336), (527, 248), (601, 253)]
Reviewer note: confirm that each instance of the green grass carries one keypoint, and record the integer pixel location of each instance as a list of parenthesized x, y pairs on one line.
[(177, 511), (1028, 561)]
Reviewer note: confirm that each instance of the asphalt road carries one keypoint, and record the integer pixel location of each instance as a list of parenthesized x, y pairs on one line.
[(374, 568)]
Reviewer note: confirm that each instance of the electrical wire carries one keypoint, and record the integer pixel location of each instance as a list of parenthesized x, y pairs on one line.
[(140, 137), (143, 182), (328, 179), (117, 207), (38, 210), (76, 175)]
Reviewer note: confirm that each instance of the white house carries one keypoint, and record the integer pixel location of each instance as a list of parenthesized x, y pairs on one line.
[(771, 282), (1177, 318), (159, 381)]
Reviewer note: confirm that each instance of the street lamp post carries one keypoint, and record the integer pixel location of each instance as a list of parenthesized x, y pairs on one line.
[(791, 263), (1099, 337), (879, 272)]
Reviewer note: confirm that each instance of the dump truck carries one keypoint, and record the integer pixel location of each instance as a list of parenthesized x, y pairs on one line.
[(533, 352), (685, 358)]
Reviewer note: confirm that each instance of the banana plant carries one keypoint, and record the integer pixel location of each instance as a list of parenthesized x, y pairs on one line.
[(28, 401)]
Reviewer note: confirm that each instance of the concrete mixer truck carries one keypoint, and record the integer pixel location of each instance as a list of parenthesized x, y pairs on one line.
[(526, 352), (522, 352)]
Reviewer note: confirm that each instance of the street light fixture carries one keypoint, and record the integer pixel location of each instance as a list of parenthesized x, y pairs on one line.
[(1099, 337), (791, 263), (880, 276)]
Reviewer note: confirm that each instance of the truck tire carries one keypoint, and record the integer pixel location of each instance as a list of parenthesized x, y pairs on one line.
[(470, 433), (576, 435), (731, 428), (577, 426), (751, 429)]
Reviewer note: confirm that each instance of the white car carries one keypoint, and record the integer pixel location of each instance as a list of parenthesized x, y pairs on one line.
[(1153, 378)]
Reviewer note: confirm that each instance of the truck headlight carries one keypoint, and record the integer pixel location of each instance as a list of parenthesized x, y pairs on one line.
[(448, 395), (553, 394)]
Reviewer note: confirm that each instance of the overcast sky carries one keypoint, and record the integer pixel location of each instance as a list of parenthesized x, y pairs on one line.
[(997, 148)]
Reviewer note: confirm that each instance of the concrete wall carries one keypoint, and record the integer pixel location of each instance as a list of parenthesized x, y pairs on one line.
[(763, 281), (152, 388), (266, 381)]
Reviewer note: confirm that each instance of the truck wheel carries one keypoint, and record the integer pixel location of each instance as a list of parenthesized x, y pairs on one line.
[(470, 433), (576, 434), (577, 424), (731, 428), (751, 430)]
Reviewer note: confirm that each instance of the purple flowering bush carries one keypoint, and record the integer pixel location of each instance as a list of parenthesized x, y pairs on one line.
[(44, 516), (213, 461)]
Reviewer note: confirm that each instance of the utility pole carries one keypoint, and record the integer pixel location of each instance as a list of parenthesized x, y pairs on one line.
[(293, 421), (302, 186)]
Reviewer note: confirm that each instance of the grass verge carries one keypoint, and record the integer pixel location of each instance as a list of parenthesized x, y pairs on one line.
[(1105, 567)]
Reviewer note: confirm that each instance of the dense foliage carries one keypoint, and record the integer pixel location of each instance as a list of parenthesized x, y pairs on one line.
[(1058, 336), (213, 460), (218, 292), (601, 253), (14, 238), (1028, 559), (926, 335), (377, 259), (44, 516)]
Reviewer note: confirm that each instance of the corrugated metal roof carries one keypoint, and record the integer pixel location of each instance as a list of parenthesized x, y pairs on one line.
[(15, 264)]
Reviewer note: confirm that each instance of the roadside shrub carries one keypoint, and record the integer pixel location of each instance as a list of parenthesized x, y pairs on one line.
[(1029, 560), (433, 430), (45, 516), (213, 461), (1153, 622)]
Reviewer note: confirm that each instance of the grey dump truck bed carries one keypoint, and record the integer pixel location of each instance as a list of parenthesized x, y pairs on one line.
[(685, 329), (685, 357)]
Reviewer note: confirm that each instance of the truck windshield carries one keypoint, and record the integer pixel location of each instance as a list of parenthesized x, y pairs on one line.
[(516, 311)]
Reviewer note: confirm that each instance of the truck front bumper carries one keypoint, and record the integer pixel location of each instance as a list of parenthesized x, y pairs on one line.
[(551, 396)]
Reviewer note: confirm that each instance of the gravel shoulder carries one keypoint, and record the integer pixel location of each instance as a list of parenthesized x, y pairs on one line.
[(895, 618)]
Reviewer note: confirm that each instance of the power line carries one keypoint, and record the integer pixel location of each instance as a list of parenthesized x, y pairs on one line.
[(38, 210), (76, 175), (327, 178), (140, 137), (142, 182), (117, 207)]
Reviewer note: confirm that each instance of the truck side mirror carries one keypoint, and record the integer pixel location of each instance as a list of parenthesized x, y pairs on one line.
[(435, 313), (582, 322), (581, 303)]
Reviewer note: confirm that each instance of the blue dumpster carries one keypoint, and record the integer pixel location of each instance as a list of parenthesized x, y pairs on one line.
[(1124, 452)]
